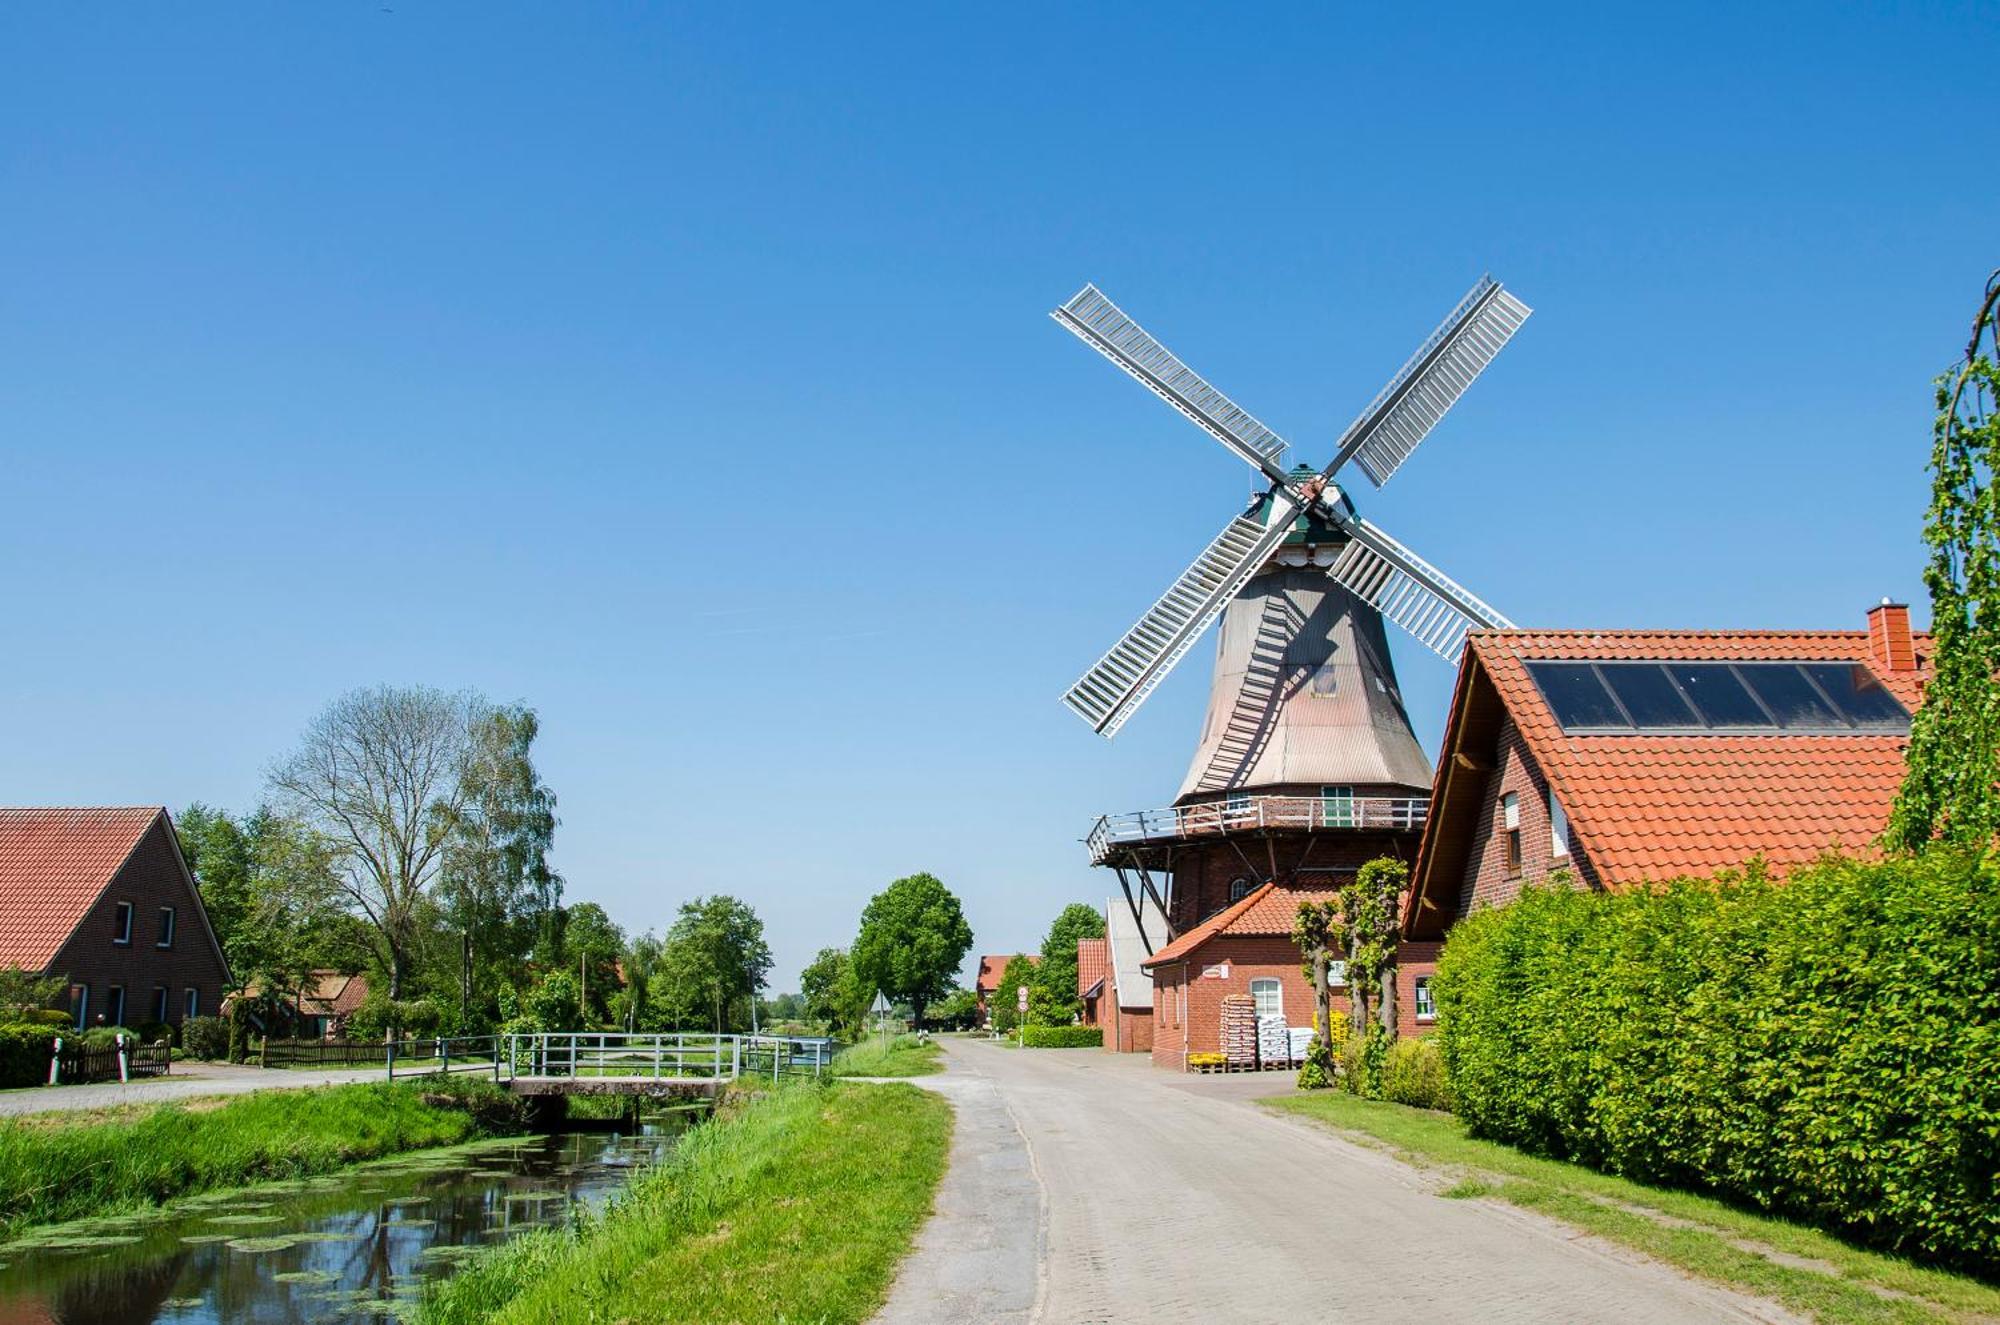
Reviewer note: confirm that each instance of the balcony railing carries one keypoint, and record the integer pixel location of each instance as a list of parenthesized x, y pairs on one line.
[(1247, 814)]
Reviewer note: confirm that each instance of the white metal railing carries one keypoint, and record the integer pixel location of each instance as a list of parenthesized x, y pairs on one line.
[(584, 1054), (1242, 814)]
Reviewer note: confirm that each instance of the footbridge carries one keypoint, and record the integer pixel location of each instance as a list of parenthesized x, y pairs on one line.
[(664, 1065)]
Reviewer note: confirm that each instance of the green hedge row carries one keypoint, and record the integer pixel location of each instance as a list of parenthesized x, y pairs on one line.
[(1062, 1037), (24, 1055), (1827, 1048)]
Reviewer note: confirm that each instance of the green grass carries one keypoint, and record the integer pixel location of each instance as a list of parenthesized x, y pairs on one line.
[(1810, 1271), (905, 1056), (55, 1167), (796, 1208)]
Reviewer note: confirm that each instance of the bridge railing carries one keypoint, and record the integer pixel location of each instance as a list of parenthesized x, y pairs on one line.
[(667, 1055)]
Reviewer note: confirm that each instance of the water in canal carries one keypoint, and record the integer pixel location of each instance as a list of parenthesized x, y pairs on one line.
[(355, 1246)]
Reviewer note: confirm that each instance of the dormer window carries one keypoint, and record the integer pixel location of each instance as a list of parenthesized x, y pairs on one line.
[(121, 925)]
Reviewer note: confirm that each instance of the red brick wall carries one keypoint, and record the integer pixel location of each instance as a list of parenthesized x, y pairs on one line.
[(1487, 879), (1254, 958), (150, 879), (1203, 874)]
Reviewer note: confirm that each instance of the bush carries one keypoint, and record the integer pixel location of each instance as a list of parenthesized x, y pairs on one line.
[(1413, 1073), (1062, 1037), (24, 1055), (1825, 1049), (51, 1017), (205, 1038), (106, 1037)]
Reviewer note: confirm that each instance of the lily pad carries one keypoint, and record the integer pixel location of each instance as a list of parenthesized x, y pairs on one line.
[(278, 1243), (536, 1196), (246, 1221), (86, 1241), (202, 1239), (409, 1223), (304, 1277)]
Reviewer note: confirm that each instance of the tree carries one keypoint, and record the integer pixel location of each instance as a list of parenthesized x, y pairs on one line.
[(1370, 924), (1052, 1000), (1952, 788), (831, 992), (383, 776), (590, 950), (913, 940), (222, 856), (1004, 1007), (641, 959), (24, 992), (958, 1009), (1320, 932), (713, 961), (496, 887)]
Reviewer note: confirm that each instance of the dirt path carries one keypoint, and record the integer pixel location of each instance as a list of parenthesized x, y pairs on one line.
[(186, 1081), (1161, 1198)]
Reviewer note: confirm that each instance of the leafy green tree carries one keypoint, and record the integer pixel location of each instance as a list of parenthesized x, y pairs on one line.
[(222, 855), (1952, 789), (23, 992), (1004, 1007), (958, 1010), (590, 949), (641, 959), (913, 940), (1320, 932), (831, 993), (1370, 925), (711, 965), (1052, 1000)]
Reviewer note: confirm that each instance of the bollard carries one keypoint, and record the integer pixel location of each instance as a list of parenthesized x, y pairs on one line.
[(55, 1064), (124, 1075)]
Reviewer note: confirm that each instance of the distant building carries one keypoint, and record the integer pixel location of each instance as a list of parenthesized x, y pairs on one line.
[(103, 898), (1632, 755), (1121, 1000), (991, 968), (1092, 957), (320, 1010)]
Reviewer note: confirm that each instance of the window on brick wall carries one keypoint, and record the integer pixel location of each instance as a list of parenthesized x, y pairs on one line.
[(1239, 889), (1336, 806), (1269, 996), (121, 924), (114, 1005), (1510, 827), (1558, 827), (166, 927), (159, 1002), (79, 999), (1426, 1004), (191, 1007), (1336, 974)]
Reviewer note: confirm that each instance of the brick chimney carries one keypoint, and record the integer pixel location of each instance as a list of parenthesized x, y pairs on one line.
[(1889, 637)]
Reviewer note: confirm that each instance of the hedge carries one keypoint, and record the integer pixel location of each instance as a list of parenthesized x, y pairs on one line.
[(1413, 1073), (1827, 1048), (24, 1055), (1062, 1037)]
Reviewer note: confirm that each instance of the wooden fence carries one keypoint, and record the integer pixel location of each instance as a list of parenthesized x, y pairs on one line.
[(325, 1053), (73, 1062)]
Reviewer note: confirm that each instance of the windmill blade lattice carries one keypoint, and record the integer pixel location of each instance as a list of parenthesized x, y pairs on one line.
[(1427, 386), (1112, 690), (1104, 327), (1410, 591)]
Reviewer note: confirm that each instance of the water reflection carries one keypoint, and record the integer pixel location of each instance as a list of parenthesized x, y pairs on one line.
[(352, 1247)]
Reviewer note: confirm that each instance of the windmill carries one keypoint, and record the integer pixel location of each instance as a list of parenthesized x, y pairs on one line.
[(1302, 583)]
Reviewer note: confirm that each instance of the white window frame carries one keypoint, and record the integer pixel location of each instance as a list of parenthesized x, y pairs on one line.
[(1423, 997), (1510, 811), (121, 933), (163, 1002), (1336, 973), (190, 1002), (1558, 827), (114, 998), (83, 1007), (1270, 984), (1336, 807), (166, 928), (1245, 885)]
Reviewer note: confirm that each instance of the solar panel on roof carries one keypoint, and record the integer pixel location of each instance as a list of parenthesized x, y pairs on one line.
[(1791, 698), (1856, 693), (1717, 695), (1575, 695), (1647, 694), (1694, 698)]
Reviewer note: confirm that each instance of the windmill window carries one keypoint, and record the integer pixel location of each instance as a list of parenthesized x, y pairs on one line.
[(121, 925), (1326, 679), (1269, 995), (1336, 806), (1239, 889)]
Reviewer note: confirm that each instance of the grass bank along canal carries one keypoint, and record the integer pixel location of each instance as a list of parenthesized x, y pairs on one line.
[(352, 1246)]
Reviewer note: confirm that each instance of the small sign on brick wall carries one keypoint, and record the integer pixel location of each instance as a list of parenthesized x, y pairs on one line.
[(1219, 972)]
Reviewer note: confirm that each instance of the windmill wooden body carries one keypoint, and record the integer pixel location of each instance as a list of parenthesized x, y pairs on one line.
[(1306, 766)]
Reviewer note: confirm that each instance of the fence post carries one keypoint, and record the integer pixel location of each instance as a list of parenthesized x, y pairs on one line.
[(735, 1057), (774, 1061), (389, 1057), (124, 1072), (444, 1054), (55, 1063)]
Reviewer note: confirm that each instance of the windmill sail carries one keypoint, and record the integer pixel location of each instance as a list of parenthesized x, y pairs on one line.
[(1410, 591), (1112, 690), (1405, 411), (1104, 327)]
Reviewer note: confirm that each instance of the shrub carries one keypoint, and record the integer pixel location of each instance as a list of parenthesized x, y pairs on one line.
[(1413, 1073), (1062, 1037), (106, 1037), (51, 1017), (1825, 1049), (24, 1055), (205, 1037)]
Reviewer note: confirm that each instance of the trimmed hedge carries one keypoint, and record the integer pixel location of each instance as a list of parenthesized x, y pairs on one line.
[(1413, 1073), (1062, 1037), (24, 1055), (205, 1038), (1828, 1048)]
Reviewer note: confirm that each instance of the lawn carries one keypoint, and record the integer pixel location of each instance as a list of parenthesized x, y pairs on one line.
[(1812, 1272), (62, 1166), (795, 1207), (904, 1056)]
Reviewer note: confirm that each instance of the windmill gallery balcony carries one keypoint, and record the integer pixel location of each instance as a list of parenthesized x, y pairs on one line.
[(1117, 838)]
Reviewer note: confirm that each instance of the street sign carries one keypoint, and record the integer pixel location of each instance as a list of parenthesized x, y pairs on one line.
[(880, 1007), (1021, 997)]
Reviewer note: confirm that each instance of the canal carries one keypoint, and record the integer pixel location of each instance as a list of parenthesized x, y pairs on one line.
[(354, 1246)]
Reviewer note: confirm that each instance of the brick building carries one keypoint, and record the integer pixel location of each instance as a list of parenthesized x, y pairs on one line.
[(103, 898), (1627, 756), (1092, 959), (1123, 998), (991, 968)]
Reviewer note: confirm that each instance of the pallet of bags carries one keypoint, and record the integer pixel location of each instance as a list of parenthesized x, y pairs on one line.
[(1274, 1040), (1239, 1031)]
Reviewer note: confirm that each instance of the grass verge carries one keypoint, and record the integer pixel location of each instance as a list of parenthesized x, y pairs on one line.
[(904, 1056), (1807, 1270), (55, 1167), (796, 1208)]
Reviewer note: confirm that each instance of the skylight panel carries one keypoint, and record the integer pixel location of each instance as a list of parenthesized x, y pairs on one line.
[(1609, 697), (1576, 696), (1647, 694), (1792, 699), (1720, 698), (1856, 693)]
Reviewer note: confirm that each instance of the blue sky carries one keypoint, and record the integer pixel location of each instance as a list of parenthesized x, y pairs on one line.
[(686, 374)]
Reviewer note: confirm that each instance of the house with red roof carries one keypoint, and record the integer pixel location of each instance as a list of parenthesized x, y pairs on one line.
[(103, 898), (1626, 756), (991, 968), (1093, 958)]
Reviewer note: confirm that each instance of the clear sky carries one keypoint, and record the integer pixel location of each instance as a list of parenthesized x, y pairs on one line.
[(686, 374)]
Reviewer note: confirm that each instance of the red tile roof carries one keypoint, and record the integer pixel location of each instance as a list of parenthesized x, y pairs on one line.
[(1092, 957), (993, 966), (1652, 806), (54, 863), (1268, 910)]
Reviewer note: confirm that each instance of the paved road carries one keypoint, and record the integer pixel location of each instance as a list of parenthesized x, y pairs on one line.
[(186, 1080), (1156, 1197)]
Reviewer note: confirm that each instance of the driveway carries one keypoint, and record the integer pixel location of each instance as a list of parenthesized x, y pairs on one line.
[(185, 1081), (1146, 1196)]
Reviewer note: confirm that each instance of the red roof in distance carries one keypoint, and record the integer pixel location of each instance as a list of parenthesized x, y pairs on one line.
[(1092, 959)]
